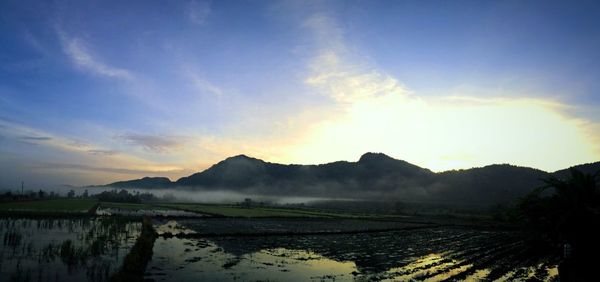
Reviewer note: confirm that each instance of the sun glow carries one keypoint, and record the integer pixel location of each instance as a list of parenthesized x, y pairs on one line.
[(453, 133)]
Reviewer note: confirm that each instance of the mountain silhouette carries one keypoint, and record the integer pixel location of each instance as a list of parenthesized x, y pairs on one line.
[(146, 182), (375, 176)]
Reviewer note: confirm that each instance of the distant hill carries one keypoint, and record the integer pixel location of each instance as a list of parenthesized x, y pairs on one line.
[(590, 168), (374, 176), (145, 183)]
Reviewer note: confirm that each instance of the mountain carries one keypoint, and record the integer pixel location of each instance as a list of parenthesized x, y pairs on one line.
[(243, 173), (590, 168), (375, 176), (143, 183)]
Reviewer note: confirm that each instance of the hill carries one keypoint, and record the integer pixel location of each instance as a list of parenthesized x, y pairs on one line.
[(375, 176), (143, 183)]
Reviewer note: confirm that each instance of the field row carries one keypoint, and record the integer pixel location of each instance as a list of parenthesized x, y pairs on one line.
[(92, 206)]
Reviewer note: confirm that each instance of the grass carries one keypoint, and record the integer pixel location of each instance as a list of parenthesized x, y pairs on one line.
[(70, 206), (237, 211)]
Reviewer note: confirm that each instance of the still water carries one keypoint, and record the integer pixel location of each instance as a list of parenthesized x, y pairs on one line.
[(74, 249)]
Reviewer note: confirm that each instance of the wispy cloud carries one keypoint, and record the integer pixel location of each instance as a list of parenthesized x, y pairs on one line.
[(82, 56), (152, 143), (454, 131), (71, 157), (67, 166), (336, 75), (36, 138), (99, 152), (201, 84), (198, 11)]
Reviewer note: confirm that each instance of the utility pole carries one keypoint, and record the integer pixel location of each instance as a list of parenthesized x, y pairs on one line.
[(22, 184)]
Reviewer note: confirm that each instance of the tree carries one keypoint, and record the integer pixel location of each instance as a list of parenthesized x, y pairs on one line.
[(71, 194), (570, 216)]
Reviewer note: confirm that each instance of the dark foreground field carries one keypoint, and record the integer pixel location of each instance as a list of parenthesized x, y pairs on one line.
[(99, 241), (342, 250)]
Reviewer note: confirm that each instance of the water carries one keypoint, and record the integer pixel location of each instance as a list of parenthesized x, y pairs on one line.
[(427, 254), (75, 249), (154, 212)]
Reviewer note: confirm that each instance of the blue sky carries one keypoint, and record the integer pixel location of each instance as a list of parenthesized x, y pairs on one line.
[(97, 91)]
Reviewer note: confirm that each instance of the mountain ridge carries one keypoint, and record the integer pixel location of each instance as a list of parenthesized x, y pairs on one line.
[(373, 176)]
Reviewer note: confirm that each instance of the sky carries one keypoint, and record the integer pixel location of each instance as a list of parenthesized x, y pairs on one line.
[(93, 92)]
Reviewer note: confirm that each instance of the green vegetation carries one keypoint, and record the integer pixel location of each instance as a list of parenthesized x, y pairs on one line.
[(238, 211), (52, 206), (124, 196), (129, 206)]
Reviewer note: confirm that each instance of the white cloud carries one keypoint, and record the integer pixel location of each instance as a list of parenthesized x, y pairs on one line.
[(379, 114), (82, 57), (333, 73), (348, 83), (202, 85)]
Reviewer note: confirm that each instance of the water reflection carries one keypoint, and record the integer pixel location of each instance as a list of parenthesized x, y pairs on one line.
[(152, 212), (201, 260), (75, 249), (431, 254)]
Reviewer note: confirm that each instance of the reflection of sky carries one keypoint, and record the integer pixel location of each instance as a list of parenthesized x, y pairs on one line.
[(203, 259), (101, 91)]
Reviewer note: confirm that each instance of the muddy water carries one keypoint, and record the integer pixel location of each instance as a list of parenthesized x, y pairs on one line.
[(429, 254), (76, 249)]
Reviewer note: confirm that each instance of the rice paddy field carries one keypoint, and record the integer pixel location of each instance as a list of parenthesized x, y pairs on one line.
[(52, 206), (410, 253), (64, 249), (238, 211), (86, 240)]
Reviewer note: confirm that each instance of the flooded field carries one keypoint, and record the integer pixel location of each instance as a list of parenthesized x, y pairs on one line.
[(64, 249), (427, 253), (273, 226), (152, 212)]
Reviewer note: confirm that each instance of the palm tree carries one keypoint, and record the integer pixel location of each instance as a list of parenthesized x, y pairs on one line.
[(571, 216)]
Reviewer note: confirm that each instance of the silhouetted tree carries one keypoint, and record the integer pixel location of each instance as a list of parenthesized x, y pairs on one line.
[(569, 216), (123, 196)]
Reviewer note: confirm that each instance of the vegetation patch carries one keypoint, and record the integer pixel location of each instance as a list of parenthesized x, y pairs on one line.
[(134, 264), (51, 206)]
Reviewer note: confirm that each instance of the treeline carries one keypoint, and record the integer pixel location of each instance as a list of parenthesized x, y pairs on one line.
[(123, 196), (9, 196)]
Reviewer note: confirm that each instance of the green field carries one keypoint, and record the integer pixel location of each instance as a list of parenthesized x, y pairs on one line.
[(71, 206), (237, 211), (129, 206)]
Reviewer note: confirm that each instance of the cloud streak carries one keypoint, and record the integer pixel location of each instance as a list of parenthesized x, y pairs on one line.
[(152, 143), (80, 55), (36, 138), (336, 76), (82, 167), (99, 152), (201, 84)]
